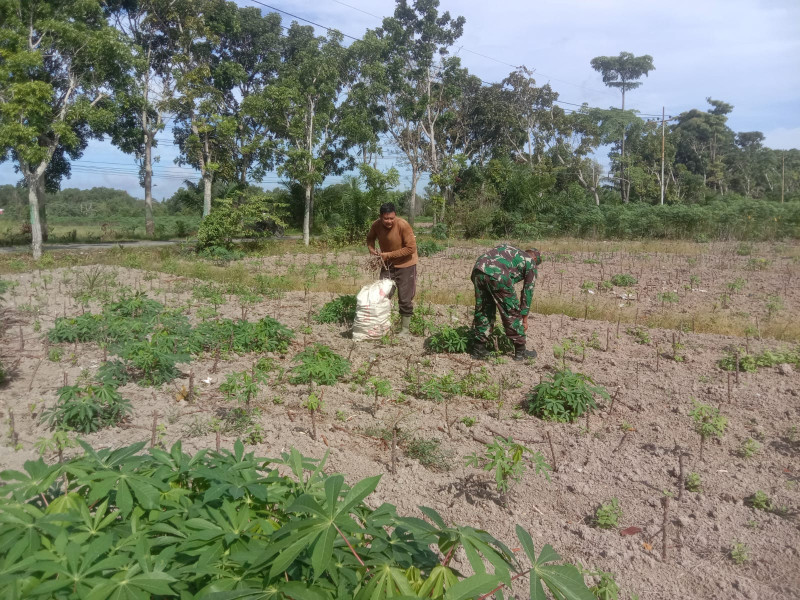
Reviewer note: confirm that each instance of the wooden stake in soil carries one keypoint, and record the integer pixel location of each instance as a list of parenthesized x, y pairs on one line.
[(729, 387), (21, 340), (658, 355), (66, 380), (737, 367), (33, 377), (552, 452), (608, 337), (665, 503), (190, 393), (394, 450), (637, 374), (680, 473), (12, 429), (619, 317), (218, 440), (153, 431)]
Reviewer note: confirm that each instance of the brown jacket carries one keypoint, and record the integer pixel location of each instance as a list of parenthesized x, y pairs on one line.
[(398, 244)]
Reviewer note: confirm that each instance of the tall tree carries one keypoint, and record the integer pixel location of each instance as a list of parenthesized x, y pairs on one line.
[(59, 62), (623, 72), (306, 111), (410, 58), (144, 104)]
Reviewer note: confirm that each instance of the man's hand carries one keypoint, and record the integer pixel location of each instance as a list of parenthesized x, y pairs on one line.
[(525, 323), (374, 252)]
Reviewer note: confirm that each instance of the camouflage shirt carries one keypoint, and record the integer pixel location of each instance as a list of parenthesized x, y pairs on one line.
[(509, 265)]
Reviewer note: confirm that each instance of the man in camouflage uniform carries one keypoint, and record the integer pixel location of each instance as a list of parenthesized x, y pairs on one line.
[(494, 276)]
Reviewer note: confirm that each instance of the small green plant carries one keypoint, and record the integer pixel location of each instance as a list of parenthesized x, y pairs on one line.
[(640, 335), (59, 442), (341, 416), (587, 285), (606, 587), (242, 386), (774, 305), (429, 248), (694, 281), (320, 364), (428, 452), (340, 310), (760, 501), (708, 423), (667, 297), (744, 249), (608, 514), (469, 421), (758, 264), (624, 280), (749, 448), (54, 354), (505, 457), (692, 483), (736, 286), (564, 396), (739, 553), (87, 409)]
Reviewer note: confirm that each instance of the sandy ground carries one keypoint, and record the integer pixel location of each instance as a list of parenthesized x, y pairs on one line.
[(595, 460)]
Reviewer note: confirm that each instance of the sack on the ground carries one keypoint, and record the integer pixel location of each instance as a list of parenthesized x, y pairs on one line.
[(373, 311)]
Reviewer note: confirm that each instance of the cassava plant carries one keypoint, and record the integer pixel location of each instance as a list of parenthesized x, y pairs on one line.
[(564, 396), (506, 458), (708, 423)]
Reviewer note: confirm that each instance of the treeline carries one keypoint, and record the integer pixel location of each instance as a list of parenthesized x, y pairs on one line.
[(245, 96)]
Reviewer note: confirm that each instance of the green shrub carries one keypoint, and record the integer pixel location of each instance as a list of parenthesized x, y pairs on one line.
[(760, 501), (288, 530), (439, 231), (338, 310), (220, 254), (320, 364), (87, 409), (608, 515), (563, 397), (429, 248), (624, 280), (455, 340)]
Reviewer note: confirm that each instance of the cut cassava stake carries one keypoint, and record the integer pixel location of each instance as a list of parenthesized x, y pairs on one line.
[(552, 452), (665, 504), (154, 428)]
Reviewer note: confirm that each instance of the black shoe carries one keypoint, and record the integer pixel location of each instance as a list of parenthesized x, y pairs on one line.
[(479, 351), (520, 353)]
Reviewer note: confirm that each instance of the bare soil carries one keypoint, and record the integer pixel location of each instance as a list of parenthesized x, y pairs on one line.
[(594, 460)]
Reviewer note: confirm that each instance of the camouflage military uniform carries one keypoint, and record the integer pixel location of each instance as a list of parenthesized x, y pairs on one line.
[(494, 276)]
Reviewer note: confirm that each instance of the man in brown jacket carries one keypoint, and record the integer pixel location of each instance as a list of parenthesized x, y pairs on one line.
[(398, 249)]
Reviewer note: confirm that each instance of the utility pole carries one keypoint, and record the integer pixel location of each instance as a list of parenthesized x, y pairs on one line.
[(663, 125), (783, 174)]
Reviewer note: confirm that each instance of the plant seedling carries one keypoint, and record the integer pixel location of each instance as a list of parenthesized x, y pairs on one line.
[(606, 588), (314, 404), (749, 448), (608, 514), (469, 421), (693, 483), (739, 553), (564, 397), (624, 280), (760, 501), (640, 335), (708, 423), (505, 457)]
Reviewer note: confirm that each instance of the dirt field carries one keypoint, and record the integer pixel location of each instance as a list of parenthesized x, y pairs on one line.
[(627, 450)]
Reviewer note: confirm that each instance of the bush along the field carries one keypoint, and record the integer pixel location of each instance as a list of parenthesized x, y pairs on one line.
[(429, 248), (230, 525), (150, 340), (564, 396), (339, 310), (460, 339), (767, 358)]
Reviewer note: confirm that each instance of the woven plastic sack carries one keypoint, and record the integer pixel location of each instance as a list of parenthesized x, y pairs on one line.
[(373, 311)]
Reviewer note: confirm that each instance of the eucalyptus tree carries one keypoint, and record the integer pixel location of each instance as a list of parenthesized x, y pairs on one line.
[(307, 112), (407, 73), (623, 73), (60, 62)]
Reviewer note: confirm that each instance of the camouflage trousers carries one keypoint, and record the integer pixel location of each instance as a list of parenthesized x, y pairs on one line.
[(490, 293)]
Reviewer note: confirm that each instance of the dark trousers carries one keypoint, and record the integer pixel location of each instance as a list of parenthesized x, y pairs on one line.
[(405, 280)]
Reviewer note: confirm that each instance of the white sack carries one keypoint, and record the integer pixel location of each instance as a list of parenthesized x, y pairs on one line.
[(373, 311)]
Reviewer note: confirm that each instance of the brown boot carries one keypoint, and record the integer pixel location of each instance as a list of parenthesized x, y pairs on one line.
[(520, 353)]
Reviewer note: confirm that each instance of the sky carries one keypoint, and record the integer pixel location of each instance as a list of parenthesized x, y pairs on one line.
[(745, 52)]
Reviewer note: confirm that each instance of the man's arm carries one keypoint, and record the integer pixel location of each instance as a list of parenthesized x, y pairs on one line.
[(371, 236), (409, 245), (526, 297)]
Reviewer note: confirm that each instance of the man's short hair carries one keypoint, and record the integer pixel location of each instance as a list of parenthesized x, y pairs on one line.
[(387, 207)]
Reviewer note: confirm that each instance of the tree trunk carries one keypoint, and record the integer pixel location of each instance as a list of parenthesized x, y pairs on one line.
[(41, 195), (149, 223), (307, 217), (207, 180), (33, 201), (412, 203), (622, 182)]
